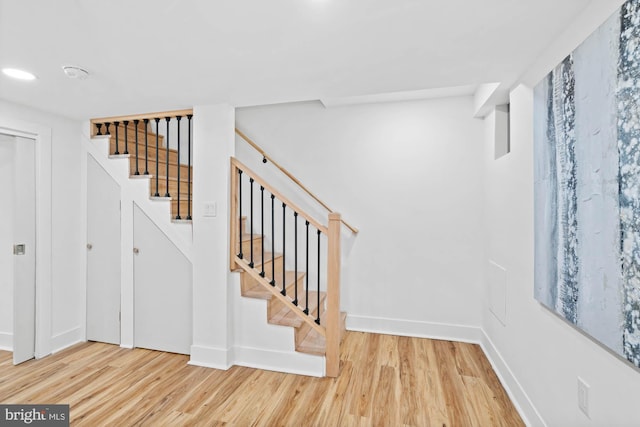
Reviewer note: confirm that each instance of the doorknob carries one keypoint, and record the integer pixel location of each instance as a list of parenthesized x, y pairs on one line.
[(136, 250), (89, 246)]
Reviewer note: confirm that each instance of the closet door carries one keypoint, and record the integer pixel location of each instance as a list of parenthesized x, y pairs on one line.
[(103, 255), (162, 296)]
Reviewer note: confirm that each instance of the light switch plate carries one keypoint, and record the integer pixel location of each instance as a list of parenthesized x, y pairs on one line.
[(210, 209)]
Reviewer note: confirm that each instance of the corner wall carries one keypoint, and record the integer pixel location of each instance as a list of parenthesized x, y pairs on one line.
[(407, 175)]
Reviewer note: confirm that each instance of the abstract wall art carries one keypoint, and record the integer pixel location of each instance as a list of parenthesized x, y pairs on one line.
[(587, 185)]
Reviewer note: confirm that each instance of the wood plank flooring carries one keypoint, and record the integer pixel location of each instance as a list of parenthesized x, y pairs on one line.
[(385, 381)]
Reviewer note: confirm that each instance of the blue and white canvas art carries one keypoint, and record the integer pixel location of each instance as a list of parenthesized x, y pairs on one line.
[(587, 185)]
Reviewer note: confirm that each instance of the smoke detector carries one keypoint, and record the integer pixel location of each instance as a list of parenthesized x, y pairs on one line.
[(74, 72)]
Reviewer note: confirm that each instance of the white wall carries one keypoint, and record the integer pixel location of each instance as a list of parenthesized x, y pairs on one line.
[(212, 280), (67, 276), (544, 353), (407, 175)]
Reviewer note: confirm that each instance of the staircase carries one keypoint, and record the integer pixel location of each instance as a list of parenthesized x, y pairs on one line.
[(296, 271), (307, 339), (169, 178), (295, 298)]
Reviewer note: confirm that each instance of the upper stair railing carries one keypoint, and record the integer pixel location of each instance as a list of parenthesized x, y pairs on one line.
[(266, 157), (286, 222), (167, 178)]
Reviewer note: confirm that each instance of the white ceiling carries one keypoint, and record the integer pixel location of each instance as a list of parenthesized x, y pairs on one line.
[(152, 55)]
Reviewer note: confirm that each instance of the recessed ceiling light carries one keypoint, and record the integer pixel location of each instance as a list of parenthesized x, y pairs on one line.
[(18, 74)]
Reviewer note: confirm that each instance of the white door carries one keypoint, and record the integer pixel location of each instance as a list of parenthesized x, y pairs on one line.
[(103, 255), (162, 294), (7, 168), (19, 244)]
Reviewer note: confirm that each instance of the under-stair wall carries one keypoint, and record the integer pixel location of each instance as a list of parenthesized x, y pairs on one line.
[(134, 193)]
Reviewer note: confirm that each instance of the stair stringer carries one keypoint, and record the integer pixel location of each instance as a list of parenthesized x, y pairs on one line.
[(258, 344), (136, 190)]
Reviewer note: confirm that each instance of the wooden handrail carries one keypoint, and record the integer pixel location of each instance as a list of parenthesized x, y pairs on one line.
[(237, 164), (290, 176)]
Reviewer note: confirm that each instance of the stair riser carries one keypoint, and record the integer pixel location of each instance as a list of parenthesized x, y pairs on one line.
[(173, 187), (257, 247), (162, 168), (248, 282), (162, 154), (275, 305), (183, 208), (302, 331)]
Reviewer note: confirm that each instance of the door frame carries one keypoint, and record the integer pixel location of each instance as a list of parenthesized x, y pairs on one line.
[(42, 136)]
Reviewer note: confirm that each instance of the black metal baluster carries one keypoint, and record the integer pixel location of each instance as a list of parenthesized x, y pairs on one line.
[(166, 143), (157, 193), (284, 249), (178, 118), (99, 126), (240, 213), (262, 227), (306, 305), (135, 122), (295, 257), (318, 317), (273, 242), (189, 116), (126, 139), (146, 147), (116, 125), (251, 219), (107, 132)]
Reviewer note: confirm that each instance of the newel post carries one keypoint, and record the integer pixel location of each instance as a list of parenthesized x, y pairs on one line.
[(233, 216), (333, 297)]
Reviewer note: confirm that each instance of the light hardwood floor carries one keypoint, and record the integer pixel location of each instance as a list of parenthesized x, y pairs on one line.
[(385, 381)]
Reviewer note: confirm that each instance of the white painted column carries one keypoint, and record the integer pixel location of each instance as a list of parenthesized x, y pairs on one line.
[(213, 145)]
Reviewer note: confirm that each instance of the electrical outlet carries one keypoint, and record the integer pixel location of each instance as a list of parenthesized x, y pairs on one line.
[(583, 396)]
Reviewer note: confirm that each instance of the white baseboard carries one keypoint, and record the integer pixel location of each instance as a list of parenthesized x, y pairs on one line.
[(512, 386), (209, 357), (460, 333), (280, 361), (66, 339), (6, 341), (414, 328)]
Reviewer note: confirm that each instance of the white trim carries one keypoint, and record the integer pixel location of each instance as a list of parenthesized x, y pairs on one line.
[(42, 136), (512, 386), (83, 222), (6, 341), (67, 339), (415, 328), (290, 362), (209, 357)]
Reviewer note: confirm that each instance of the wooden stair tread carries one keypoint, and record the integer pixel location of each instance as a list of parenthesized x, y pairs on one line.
[(247, 236), (259, 291), (287, 317), (314, 343), (257, 258)]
